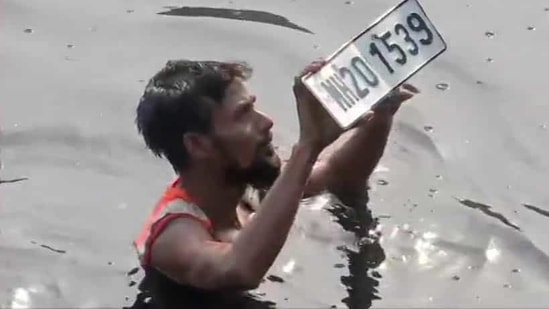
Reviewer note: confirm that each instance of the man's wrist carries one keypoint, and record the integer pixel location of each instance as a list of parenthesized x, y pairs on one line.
[(306, 149)]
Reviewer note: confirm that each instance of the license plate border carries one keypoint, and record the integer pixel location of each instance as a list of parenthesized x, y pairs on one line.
[(359, 35)]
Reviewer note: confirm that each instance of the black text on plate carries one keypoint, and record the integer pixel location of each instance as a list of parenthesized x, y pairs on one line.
[(351, 83)]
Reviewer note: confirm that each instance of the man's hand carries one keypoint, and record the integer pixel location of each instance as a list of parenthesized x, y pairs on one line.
[(347, 164), (317, 127), (392, 102)]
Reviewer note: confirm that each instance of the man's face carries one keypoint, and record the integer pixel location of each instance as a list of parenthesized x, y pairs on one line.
[(243, 137)]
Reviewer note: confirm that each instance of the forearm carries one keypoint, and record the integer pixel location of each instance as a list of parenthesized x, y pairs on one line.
[(350, 166), (260, 241)]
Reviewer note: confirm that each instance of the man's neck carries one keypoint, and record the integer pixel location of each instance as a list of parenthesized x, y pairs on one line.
[(213, 194)]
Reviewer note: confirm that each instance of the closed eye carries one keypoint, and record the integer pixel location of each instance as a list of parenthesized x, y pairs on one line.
[(245, 107)]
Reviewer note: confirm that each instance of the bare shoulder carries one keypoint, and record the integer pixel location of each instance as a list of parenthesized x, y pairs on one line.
[(179, 239), (187, 253)]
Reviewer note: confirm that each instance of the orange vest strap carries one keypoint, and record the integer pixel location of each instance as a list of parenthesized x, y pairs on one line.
[(175, 203)]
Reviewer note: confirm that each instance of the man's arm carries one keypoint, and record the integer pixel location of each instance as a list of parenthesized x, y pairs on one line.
[(187, 253), (345, 166)]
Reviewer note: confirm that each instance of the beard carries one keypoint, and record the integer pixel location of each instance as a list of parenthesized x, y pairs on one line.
[(260, 174)]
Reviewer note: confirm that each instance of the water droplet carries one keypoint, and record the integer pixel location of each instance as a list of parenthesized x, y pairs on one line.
[(516, 270), (70, 46), (479, 82), (141, 80), (132, 283), (439, 177), (546, 9), (430, 298), (349, 2), (28, 30), (490, 60), (456, 278), (432, 190), (339, 265), (428, 129), (515, 211), (531, 28), (315, 46), (129, 11), (376, 274), (508, 187), (92, 29), (274, 278), (110, 263), (442, 86), (543, 126), (507, 286), (133, 271), (489, 34), (382, 182)]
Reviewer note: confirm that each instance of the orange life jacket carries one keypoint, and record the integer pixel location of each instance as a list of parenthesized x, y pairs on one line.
[(175, 203)]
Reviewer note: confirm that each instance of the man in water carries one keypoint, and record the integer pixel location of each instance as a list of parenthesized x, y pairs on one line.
[(224, 220)]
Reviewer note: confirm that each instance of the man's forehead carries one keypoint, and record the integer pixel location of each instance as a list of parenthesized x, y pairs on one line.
[(238, 90)]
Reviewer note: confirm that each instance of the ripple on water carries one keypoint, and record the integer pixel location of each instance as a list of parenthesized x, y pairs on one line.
[(442, 86), (382, 182)]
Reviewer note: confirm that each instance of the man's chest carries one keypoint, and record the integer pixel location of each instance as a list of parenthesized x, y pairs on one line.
[(228, 234)]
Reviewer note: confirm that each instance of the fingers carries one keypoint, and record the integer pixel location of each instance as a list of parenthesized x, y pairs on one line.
[(402, 96), (410, 88), (313, 67), (404, 93)]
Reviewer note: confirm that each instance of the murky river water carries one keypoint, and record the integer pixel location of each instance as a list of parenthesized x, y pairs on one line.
[(458, 208)]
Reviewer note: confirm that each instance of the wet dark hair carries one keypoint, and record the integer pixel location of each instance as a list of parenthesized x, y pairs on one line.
[(180, 98)]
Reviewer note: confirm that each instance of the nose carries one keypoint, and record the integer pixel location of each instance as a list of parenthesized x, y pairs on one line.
[(266, 123)]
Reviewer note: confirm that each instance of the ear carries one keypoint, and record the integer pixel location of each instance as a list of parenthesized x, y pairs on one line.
[(199, 146)]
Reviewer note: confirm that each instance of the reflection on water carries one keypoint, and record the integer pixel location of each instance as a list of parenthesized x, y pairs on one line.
[(158, 292), (536, 209), (361, 286), (247, 15), (487, 210), (20, 299)]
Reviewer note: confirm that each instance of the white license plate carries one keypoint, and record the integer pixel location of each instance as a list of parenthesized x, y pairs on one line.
[(378, 60)]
